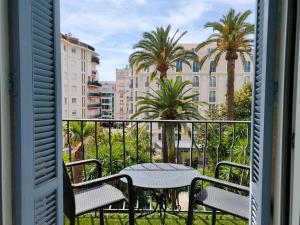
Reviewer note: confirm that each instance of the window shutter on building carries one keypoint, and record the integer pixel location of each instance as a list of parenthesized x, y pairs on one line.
[(263, 92), (37, 112)]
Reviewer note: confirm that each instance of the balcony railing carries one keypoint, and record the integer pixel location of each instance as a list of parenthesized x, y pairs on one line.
[(95, 59), (92, 94), (94, 83), (96, 105), (121, 143)]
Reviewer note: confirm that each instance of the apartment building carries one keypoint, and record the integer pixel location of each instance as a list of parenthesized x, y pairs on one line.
[(80, 88), (108, 99), (209, 82), (121, 93)]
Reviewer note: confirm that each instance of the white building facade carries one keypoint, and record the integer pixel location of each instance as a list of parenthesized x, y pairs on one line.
[(78, 66), (121, 93), (209, 82)]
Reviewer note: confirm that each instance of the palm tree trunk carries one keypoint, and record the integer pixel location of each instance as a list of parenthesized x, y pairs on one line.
[(170, 131), (230, 88), (164, 144), (163, 74)]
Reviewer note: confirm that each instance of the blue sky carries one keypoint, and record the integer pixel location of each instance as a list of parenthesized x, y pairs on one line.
[(114, 26)]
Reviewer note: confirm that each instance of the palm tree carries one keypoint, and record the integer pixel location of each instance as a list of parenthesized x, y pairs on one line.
[(88, 130), (170, 102), (231, 37), (159, 49)]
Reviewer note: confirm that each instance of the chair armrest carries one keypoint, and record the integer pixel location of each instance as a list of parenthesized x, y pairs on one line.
[(87, 161), (230, 164), (103, 180), (219, 183)]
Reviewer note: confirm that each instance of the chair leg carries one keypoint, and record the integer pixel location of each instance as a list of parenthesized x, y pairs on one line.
[(72, 221), (131, 213), (191, 205), (213, 221), (101, 216)]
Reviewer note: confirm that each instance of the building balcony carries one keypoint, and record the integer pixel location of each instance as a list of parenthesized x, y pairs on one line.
[(94, 83), (95, 59), (96, 105), (93, 94)]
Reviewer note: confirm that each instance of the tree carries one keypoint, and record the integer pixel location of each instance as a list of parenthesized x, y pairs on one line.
[(159, 49), (170, 102), (231, 37), (242, 104)]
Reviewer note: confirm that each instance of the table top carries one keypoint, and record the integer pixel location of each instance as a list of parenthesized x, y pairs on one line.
[(160, 175)]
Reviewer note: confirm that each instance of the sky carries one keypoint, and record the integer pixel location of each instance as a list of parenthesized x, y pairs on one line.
[(114, 26)]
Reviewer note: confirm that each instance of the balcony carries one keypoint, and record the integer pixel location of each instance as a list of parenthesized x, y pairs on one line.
[(123, 143), (96, 105), (95, 59), (93, 94), (94, 83)]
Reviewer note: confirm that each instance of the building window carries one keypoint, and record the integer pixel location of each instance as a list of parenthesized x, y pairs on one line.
[(247, 66), (147, 82), (131, 83), (212, 67), (74, 100), (178, 66), (212, 96), (73, 50), (159, 136), (212, 82), (246, 79), (136, 82), (195, 67), (74, 112), (195, 81)]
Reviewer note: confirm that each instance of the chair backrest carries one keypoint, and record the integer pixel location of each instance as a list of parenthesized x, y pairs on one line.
[(69, 199)]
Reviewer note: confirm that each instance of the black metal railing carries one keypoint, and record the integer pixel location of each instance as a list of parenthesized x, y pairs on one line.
[(96, 105), (121, 143), (92, 94), (94, 83)]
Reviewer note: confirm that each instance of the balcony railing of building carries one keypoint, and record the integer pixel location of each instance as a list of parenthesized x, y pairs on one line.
[(121, 143), (92, 94), (95, 105), (94, 83), (95, 59)]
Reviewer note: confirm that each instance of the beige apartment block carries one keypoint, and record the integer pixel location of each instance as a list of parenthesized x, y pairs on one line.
[(79, 79), (108, 89), (121, 93), (211, 86)]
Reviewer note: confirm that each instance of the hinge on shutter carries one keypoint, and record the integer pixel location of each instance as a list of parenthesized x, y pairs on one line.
[(11, 84)]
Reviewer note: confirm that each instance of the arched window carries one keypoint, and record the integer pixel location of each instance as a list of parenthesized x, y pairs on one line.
[(212, 81), (195, 67), (212, 67), (178, 66), (195, 81), (247, 66)]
